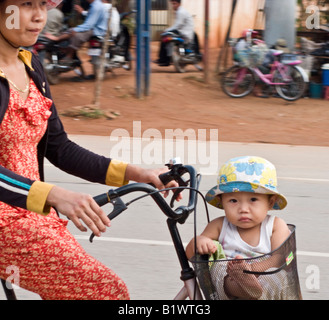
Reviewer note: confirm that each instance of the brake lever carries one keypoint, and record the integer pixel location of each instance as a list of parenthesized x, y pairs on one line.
[(181, 183), (118, 207), (176, 167)]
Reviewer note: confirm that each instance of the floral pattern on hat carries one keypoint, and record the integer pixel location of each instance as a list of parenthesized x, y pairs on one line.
[(246, 174), (268, 179), (226, 174)]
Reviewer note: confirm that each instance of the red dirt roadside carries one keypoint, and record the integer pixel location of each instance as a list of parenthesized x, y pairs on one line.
[(182, 101)]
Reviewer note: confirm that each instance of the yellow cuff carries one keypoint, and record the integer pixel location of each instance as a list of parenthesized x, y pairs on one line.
[(36, 199), (115, 175)]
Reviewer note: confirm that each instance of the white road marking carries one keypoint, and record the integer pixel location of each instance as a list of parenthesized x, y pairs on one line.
[(169, 243)]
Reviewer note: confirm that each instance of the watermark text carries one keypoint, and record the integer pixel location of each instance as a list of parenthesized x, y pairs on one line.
[(148, 147)]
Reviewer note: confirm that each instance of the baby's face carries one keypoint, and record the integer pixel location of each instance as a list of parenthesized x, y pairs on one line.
[(246, 209)]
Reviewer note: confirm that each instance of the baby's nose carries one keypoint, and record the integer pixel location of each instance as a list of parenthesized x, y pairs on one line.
[(244, 207)]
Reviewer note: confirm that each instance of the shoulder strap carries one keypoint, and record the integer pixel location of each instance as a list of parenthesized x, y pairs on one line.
[(223, 231), (269, 225)]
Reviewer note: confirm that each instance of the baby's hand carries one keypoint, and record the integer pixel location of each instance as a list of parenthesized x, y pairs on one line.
[(205, 245)]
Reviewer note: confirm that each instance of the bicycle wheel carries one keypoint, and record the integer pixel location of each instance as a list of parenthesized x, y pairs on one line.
[(237, 82), (294, 84)]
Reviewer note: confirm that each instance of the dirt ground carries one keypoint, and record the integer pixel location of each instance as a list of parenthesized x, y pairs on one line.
[(183, 101)]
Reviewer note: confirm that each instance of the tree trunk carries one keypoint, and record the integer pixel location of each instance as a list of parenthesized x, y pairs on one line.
[(100, 71)]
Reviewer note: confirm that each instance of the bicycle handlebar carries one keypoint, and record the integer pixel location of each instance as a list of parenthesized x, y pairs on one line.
[(177, 170)]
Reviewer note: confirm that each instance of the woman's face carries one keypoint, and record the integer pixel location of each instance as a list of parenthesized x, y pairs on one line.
[(22, 21)]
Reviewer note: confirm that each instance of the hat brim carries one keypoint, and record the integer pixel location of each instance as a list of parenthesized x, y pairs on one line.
[(242, 186), (53, 4)]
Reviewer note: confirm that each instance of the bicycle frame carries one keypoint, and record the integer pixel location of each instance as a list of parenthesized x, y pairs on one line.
[(277, 66), (190, 288)]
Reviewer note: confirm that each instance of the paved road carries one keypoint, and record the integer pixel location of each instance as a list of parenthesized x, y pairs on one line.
[(138, 246)]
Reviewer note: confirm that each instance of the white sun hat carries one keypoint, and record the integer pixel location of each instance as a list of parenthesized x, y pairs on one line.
[(246, 174)]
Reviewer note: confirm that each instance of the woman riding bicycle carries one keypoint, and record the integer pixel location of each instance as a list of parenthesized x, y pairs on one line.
[(32, 236)]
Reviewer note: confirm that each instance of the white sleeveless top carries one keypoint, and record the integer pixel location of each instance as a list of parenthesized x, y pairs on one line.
[(233, 245)]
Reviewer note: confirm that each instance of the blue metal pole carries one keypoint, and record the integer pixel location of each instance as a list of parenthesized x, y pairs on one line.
[(147, 33), (143, 47), (139, 48)]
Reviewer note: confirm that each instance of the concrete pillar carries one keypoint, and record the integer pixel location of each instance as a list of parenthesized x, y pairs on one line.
[(280, 22)]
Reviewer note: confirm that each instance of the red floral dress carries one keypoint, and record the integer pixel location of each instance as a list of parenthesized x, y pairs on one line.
[(37, 252)]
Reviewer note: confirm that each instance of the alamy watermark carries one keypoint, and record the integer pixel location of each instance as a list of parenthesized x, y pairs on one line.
[(13, 279), (313, 20), (194, 147), (312, 281), (12, 22)]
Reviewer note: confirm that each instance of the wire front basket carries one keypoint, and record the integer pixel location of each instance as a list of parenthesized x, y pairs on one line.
[(251, 56), (272, 276)]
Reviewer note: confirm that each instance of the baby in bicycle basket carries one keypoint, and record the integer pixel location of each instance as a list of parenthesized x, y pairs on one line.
[(246, 189)]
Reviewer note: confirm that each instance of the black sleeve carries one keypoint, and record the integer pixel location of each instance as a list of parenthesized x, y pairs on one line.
[(64, 153)]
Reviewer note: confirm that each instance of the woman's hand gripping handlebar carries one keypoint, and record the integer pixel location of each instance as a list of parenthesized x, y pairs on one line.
[(176, 172)]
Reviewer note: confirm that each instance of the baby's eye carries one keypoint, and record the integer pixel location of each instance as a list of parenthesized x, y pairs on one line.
[(27, 4), (233, 201), (253, 199)]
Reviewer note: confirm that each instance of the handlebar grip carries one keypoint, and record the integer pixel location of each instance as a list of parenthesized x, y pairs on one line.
[(166, 177), (102, 199)]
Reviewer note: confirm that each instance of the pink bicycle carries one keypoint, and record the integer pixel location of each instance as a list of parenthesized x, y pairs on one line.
[(288, 79)]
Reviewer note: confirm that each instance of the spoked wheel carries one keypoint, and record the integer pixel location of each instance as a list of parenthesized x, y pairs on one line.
[(237, 82), (294, 84), (176, 59)]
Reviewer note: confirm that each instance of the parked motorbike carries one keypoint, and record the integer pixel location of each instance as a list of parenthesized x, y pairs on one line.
[(182, 54), (118, 54), (51, 53)]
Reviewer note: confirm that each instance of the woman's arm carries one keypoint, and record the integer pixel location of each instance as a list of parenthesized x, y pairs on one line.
[(82, 207)]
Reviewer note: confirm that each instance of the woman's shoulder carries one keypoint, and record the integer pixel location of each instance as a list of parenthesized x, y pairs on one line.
[(29, 58), (36, 63)]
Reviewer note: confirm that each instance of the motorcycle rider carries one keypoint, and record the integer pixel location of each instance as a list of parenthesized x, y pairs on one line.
[(183, 26), (94, 24), (55, 22), (53, 28), (115, 16)]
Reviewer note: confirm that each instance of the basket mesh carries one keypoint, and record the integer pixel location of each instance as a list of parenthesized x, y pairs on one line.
[(278, 281), (252, 56)]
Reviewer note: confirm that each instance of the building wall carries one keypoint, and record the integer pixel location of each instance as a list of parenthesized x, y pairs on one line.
[(245, 17)]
